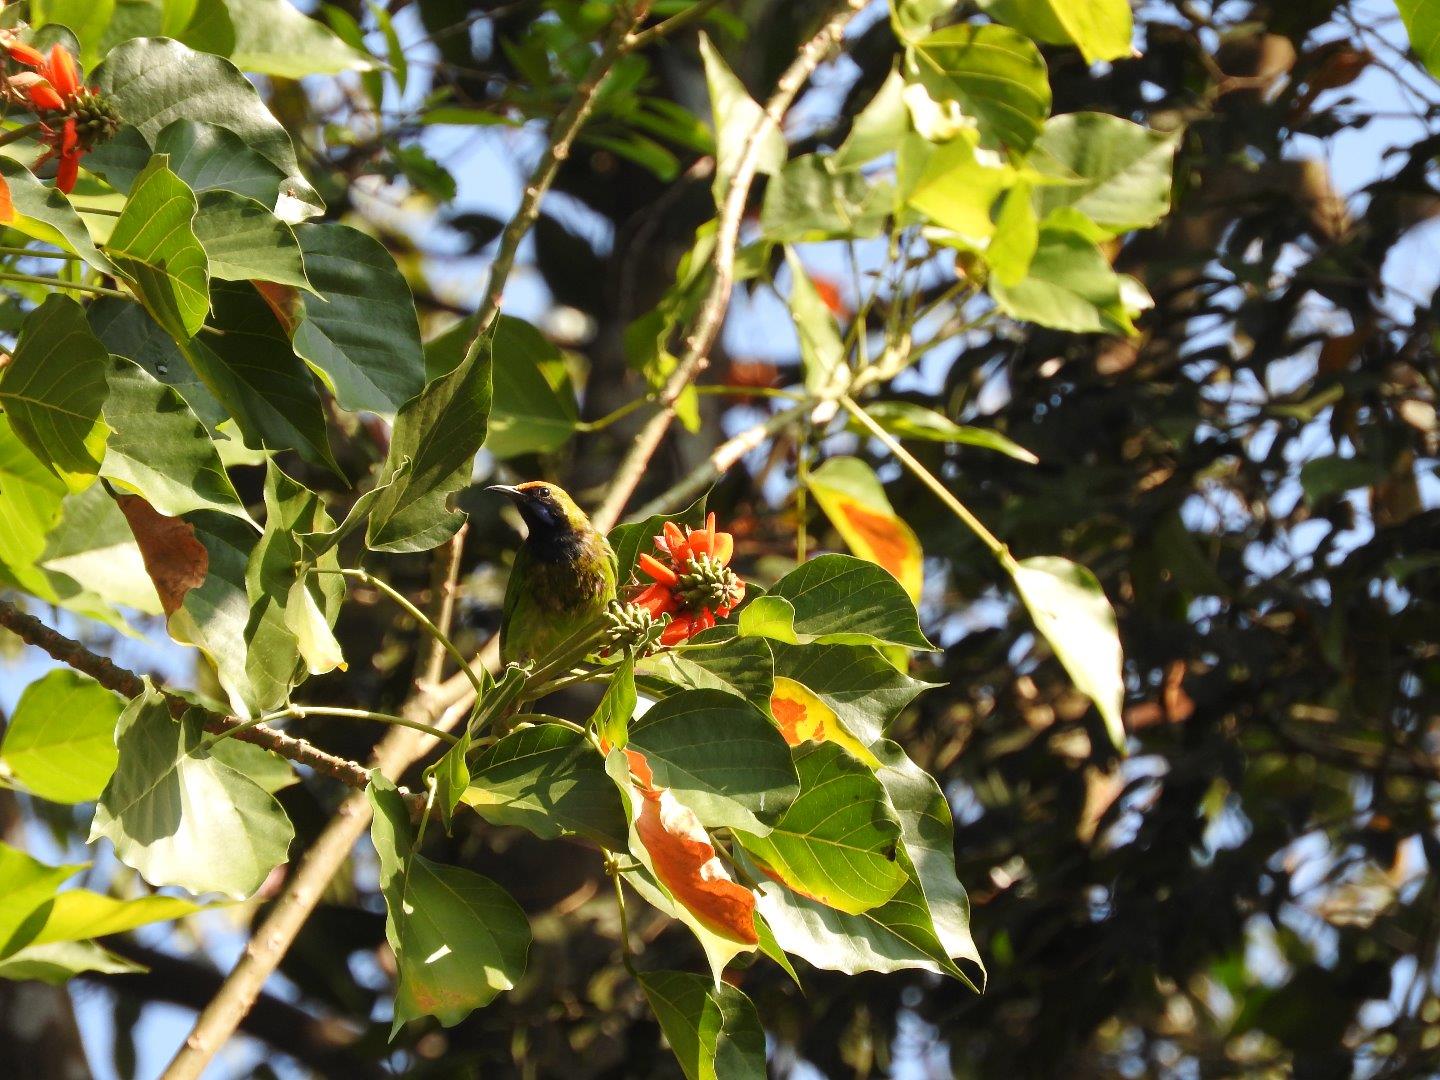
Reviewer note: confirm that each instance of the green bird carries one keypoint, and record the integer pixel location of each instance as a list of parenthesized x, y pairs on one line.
[(564, 574)]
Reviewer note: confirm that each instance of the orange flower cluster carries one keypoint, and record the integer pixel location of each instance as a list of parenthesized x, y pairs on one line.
[(696, 586), (74, 117)]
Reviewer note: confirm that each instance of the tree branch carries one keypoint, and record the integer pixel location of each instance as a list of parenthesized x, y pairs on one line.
[(717, 300), (401, 747), (128, 684)]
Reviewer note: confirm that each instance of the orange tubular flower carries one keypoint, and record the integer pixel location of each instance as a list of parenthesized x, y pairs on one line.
[(696, 586), (74, 118)]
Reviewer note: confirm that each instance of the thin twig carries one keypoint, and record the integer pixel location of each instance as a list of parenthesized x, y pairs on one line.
[(720, 461), (447, 585), (717, 300), (128, 684)]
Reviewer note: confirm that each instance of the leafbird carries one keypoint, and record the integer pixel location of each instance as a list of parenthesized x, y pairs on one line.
[(564, 574)]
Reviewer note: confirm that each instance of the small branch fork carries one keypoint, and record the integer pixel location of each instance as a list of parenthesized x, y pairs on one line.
[(717, 299)]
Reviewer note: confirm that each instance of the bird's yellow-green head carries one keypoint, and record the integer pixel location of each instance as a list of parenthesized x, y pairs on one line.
[(548, 512)]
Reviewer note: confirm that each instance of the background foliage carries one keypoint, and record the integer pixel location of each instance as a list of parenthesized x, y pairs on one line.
[(1251, 478)]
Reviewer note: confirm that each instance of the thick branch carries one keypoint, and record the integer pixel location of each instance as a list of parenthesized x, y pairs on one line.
[(401, 747), (128, 684), (717, 299)]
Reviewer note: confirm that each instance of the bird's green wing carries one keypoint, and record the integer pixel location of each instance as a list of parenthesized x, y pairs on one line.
[(514, 589)]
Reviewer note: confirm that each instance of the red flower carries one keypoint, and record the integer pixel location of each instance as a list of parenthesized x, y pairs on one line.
[(696, 586), (74, 118)]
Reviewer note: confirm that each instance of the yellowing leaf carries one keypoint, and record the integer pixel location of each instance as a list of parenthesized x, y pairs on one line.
[(313, 636), (803, 717), (854, 500)]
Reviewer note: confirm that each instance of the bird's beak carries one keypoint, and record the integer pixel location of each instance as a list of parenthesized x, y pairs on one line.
[(506, 490)]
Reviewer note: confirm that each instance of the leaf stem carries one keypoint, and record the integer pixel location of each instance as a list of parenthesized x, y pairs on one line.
[(31, 253), (367, 578), (590, 426), (678, 21), (926, 477), (301, 712), (58, 283)]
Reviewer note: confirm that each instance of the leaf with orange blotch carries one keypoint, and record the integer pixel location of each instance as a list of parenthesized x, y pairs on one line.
[(836, 843), (693, 884), (7, 205), (803, 717), (854, 500), (175, 560), (284, 301)]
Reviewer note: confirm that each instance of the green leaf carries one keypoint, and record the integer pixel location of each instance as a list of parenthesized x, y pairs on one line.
[(957, 185), (550, 780), (1115, 172), (1071, 611), (30, 501), (78, 914), (839, 599), (822, 352), (1422, 23), (770, 617), (360, 327), (459, 939), (878, 128), (714, 1030), (438, 433), (252, 369), (721, 756), (44, 213), (53, 391), (913, 18), (836, 842), (87, 18), (159, 449), (28, 886), (60, 742), (1017, 235), (206, 157), (92, 546), (267, 768), (155, 81), (1101, 29), (180, 816), (856, 681), (534, 411), (906, 420), (995, 75), (273, 38), (1324, 477), (734, 115), (611, 720), (716, 659), (154, 245), (812, 199), (1071, 286), (927, 849), (243, 241), (854, 499), (254, 653), (127, 330), (61, 961)]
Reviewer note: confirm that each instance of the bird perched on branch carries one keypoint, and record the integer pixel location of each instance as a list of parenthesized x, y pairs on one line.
[(564, 574)]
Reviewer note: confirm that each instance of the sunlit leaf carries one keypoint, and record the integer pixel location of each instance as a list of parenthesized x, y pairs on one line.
[(1115, 172), (720, 755), (43, 212), (836, 842), (843, 600), (550, 780), (854, 500), (244, 241), (996, 76), (180, 816), (60, 742), (857, 682), (54, 389), (714, 1031), (1070, 286), (155, 247), (822, 352), (361, 328), (716, 659), (29, 887), (611, 720), (909, 421), (1101, 29), (459, 939), (273, 38), (734, 115), (803, 717)]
